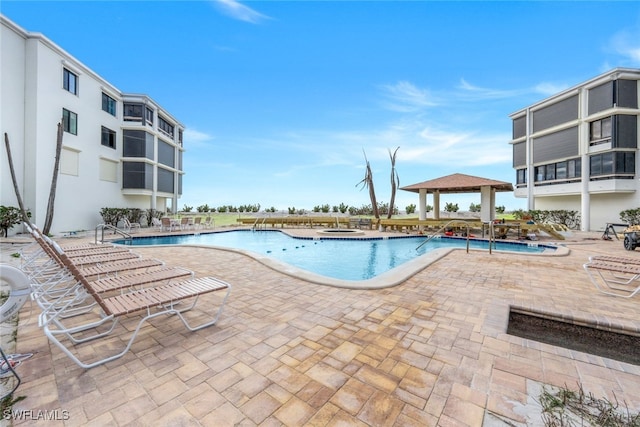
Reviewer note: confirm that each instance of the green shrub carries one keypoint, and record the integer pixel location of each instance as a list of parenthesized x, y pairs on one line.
[(451, 207), (10, 216), (631, 216)]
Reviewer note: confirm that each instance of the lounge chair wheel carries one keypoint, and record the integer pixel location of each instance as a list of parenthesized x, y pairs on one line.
[(629, 244)]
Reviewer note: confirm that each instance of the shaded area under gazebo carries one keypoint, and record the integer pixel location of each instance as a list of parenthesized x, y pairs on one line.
[(459, 183)]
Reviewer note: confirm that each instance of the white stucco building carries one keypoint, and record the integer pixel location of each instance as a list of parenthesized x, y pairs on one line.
[(578, 150), (120, 150)]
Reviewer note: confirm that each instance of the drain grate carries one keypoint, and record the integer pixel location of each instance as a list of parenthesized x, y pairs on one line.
[(610, 344)]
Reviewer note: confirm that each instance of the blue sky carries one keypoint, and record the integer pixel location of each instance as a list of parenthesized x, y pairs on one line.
[(282, 98)]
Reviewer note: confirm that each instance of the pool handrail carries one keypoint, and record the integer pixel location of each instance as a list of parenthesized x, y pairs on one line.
[(432, 236), (116, 230)]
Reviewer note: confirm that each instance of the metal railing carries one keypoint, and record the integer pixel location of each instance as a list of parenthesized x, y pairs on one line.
[(101, 227), (261, 226), (491, 234), (436, 233)]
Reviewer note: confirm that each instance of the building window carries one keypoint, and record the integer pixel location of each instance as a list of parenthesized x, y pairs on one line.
[(137, 175), (149, 116), (559, 172), (108, 138), (600, 131), (166, 154), (165, 181), (137, 143), (108, 104), (613, 164), (165, 127), (69, 121), (180, 137), (132, 112), (70, 81), (521, 176)]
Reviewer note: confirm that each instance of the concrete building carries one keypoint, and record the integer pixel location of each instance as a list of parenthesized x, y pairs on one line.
[(578, 150), (120, 150)]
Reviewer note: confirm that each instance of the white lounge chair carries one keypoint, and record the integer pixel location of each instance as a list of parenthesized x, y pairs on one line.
[(131, 227), (614, 276), (150, 302)]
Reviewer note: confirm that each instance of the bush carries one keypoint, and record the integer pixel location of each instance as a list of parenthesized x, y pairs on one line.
[(474, 208), (631, 216), (451, 207), (203, 208), (410, 209), (500, 209), (10, 216), (570, 219)]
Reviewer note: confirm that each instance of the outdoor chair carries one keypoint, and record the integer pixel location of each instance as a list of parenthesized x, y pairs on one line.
[(130, 227), (157, 224), (151, 302), (614, 277), (168, 224)]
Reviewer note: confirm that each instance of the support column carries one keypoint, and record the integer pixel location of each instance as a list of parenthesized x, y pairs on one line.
[(436, 204), (422, 209), (487, 203)]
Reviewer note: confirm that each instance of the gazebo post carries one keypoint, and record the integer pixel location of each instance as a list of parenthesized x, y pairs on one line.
[(423, 204), (487, 203), (436, 204)]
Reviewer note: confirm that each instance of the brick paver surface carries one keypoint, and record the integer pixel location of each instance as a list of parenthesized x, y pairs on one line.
[(430, 351)]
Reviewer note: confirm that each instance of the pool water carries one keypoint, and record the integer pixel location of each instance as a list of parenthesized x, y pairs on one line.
[(340, 258)]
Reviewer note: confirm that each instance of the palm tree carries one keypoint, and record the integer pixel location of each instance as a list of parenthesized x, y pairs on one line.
[(367, 181), (54, 181), (395, 182)]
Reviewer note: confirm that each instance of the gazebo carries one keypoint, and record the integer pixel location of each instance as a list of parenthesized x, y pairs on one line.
[(459, 183)]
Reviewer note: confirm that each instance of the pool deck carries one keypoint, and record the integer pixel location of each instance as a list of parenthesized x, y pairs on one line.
[(430, 351)]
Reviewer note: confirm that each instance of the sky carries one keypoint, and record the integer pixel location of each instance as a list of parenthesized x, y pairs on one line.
[(285, 101)]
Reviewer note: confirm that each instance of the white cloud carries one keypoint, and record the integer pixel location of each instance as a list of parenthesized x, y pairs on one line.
[(193, 135), (548, 89), (406, 97), (477, 93), (239, 11), (626, 43)]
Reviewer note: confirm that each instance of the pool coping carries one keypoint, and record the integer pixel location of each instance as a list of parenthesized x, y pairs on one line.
[(388, 279)]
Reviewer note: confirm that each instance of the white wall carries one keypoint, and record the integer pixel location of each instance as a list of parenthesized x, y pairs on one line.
[(12, 76), (32, 98)]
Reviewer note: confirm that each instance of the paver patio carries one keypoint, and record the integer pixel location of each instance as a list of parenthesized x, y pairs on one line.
[(430, 351)]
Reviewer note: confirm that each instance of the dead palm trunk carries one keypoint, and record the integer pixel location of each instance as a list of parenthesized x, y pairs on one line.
[(23, 211), (367, 181), (54, 182), (395, 182)]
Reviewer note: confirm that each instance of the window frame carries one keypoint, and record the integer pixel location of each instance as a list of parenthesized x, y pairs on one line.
[(111, 137), (69, 77), (110, 102), (601, 131), (560, 172), (70, 121)]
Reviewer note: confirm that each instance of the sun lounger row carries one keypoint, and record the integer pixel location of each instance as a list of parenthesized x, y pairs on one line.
[(617, 276), (83, 295)]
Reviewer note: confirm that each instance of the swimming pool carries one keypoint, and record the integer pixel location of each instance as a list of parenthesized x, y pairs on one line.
[(351, 259)]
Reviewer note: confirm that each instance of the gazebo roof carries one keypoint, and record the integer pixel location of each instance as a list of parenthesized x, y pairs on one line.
[(458, 183)]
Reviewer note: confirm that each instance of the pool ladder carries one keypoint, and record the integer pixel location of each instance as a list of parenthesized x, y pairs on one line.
[(101, 227), (262, 224), (492, 238)]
